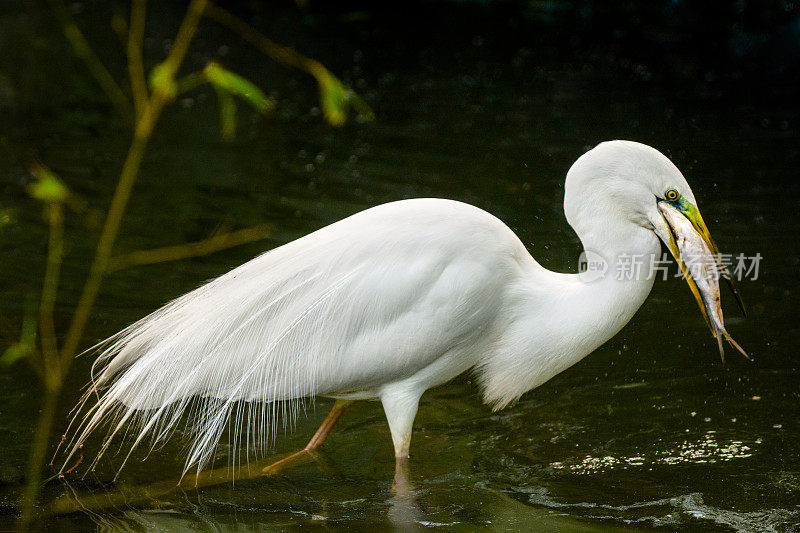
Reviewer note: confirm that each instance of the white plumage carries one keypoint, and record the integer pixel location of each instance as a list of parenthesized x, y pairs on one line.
[(384, 304)]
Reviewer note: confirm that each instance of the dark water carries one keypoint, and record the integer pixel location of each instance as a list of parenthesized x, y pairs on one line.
[(648, 432)]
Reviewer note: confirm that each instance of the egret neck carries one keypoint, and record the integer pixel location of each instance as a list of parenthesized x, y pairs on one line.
[(593, 307)]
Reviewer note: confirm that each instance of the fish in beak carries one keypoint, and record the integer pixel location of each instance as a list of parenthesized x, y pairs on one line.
[(699, 260)]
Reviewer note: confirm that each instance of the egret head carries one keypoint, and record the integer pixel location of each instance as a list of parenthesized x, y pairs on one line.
[(622, 181), (619, 183)]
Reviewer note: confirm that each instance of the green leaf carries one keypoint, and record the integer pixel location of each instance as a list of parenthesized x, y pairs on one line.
[(236, 85), (227, 114), (333, 95), (15, 352), (47, 187), (27, 342), (337, 99)]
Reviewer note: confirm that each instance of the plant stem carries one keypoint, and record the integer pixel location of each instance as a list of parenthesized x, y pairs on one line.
[(51, 371), (144, 125), (268, 47), (207, 246), (55, 251), (130, 170), (41, 441), (84, 51), (134, 51)]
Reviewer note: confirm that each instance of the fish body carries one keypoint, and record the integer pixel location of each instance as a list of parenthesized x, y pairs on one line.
[(702, 271)]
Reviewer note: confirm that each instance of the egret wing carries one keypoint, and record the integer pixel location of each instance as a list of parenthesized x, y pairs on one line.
[(349, 308)]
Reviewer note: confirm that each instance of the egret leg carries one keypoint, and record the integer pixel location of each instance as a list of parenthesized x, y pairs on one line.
[(400, 406), (319, 437), (401, 485)]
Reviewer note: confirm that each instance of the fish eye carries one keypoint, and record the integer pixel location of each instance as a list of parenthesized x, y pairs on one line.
[(671, 194)]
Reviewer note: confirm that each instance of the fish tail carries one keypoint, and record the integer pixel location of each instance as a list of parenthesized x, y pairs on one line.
[(734, 344), (718, 335)]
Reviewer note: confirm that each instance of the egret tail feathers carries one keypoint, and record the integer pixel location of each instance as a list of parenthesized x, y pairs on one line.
[(219, 355)]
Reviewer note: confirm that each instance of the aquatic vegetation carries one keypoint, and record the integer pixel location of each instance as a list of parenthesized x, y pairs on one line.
[(151, 93)]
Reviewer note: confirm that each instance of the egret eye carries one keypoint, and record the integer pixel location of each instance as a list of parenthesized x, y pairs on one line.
[(672, 194)]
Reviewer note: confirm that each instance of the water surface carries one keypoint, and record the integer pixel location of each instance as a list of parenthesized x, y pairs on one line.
[(648, 432)]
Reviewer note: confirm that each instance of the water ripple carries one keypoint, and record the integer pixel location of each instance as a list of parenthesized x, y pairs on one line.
[(704, 450)]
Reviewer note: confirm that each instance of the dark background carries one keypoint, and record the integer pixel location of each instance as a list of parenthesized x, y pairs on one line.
[(484, 102)]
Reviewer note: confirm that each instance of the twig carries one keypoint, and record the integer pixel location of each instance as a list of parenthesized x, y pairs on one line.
[(135, 63), (130, 170), (191, 249), (55, 252), (279, 53), (133, 495), (41, 439), (84, 51), (292, 58)]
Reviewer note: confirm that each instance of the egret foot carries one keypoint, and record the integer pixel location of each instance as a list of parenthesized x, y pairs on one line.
[(308, 453)]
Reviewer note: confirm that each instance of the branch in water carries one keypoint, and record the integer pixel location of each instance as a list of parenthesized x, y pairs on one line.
[(192, 249)]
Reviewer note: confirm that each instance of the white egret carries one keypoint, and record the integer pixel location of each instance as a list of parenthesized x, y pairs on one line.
[(384, 305)]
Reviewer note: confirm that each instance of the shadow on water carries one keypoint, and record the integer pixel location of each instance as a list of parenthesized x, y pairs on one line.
[(647, 432)]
